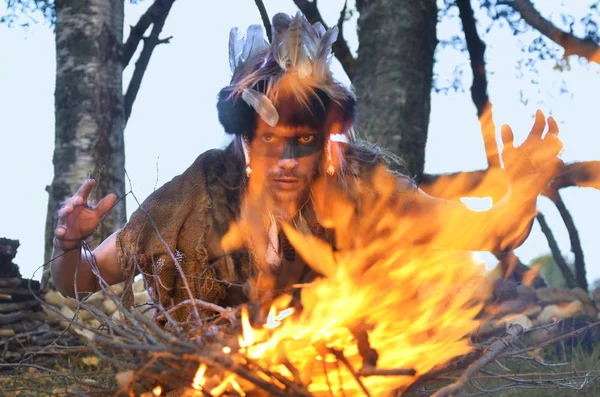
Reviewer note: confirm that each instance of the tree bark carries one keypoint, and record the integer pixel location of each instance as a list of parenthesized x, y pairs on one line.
[(394, 71), (89, 109)]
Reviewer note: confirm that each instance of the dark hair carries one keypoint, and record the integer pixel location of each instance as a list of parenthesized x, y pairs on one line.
[(237, 117)]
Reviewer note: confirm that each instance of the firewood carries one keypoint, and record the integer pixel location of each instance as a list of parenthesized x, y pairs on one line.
[(10, 282), (7, 332), (12, 307), (12, 317), (16, 291), (5, 297)]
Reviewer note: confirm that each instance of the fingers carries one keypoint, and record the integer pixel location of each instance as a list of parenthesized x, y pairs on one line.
[(553, 143), (85, 189), (552, 126), (538, 126), (507, 137), (106, 204), (60, 231)]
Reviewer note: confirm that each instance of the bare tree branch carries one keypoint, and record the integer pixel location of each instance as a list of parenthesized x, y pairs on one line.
[(142, 63), (137, 32), (582, 174), (340, 47), (585, 48), (264, 15), (575, 241), (476, 48), (551, 341), (479, 183), (512, 334), (482, 183), (556, 254)]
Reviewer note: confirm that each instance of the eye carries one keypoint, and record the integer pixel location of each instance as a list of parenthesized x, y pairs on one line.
[(267, 138), (307, 138)]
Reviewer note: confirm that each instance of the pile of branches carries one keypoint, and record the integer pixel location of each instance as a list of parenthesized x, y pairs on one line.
[(158, 356)]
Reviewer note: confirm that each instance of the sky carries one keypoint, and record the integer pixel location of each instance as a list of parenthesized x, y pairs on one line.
[(174, 117)]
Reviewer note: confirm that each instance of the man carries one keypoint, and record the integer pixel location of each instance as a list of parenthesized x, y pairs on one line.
[(215, 232)]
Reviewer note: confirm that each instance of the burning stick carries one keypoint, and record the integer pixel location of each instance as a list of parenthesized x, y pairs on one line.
[(512, 334)]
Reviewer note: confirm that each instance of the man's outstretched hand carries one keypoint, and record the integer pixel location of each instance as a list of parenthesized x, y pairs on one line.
[(77, 220), (531, 166)]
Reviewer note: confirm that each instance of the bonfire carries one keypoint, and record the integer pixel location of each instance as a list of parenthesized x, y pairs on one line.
[(384, 317)]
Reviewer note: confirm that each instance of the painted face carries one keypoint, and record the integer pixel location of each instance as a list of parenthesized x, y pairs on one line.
[(284, 162)]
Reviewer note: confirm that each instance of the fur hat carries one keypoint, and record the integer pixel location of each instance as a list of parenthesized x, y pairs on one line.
[(287, 82)]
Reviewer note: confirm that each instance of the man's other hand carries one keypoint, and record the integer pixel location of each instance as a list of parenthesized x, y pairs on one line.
[(77, 220), (531, 165)]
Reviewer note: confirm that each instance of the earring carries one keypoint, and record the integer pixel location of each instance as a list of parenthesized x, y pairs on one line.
[(246, 150), (330, 168)]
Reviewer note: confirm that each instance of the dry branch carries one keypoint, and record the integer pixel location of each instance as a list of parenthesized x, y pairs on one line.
[(572, 45), (553, 340), (264, 16), (144, 59), (582, 174), (556, 254), (512, 334), (476, 48), (137, 32), (575, 241), (480, 183)]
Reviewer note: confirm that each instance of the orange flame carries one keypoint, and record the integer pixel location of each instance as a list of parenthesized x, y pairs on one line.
[(416, 306), (199, 380)]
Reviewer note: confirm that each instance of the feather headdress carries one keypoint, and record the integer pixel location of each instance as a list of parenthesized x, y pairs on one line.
[(294, 67)]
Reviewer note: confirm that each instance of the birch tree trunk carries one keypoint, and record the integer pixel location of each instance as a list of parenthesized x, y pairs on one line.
[(393, 78), (89, 110)]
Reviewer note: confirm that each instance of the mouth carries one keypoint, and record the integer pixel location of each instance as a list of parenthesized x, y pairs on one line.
[(287, 183)]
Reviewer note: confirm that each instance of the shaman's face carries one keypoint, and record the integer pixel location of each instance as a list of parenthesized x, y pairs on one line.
[(284, 161)]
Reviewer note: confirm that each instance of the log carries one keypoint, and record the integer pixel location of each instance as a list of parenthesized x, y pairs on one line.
[(16, 291), (16, 306), (34, 285), (17, 294), (12, 317), (32, 321), (7, 332), (10, 282), (5, 297)]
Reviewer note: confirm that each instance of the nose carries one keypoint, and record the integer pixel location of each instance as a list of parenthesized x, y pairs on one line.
[(287, 163)]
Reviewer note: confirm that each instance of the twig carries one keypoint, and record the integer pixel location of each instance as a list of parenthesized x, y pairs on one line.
[(371, 371), (551, 341), (226, 312), (244, 373), (186, 285), (512, 334), (340, 356)]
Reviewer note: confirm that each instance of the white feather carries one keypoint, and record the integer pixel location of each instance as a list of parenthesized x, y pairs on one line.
[(294, 41), (236, 44), (323, 58), (319, 28), (310, 38), (262, 105), (255, 41), (280, 26)]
